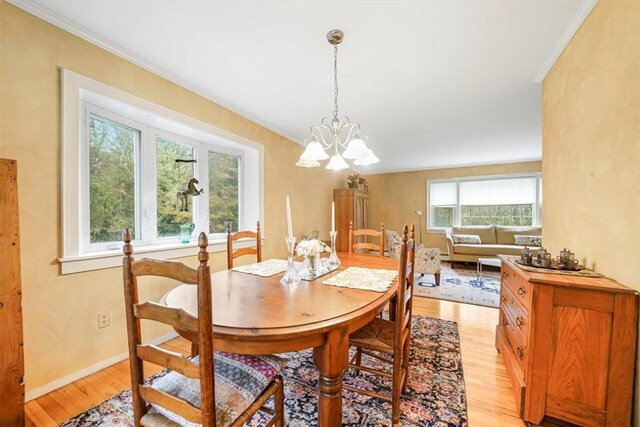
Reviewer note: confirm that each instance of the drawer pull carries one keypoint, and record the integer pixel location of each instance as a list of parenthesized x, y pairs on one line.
[(505, 274), (520, 352), (503, 298), (519, 321), (505, 322), (521, 290)]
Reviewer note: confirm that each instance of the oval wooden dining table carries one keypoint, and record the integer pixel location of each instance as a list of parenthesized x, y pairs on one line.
[(258, 315)]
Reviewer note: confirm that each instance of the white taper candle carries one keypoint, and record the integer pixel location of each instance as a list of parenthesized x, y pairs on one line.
[(333, 216), (289, 226)]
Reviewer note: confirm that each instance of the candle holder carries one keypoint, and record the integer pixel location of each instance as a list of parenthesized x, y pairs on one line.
[(291, 276), (334, 261)]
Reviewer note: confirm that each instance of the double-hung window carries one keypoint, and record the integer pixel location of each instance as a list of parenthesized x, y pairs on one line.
[(130, 167), (497, 200)]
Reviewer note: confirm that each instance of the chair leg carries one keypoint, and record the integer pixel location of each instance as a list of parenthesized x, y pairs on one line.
[(395, 405), (358, 360), (437, 279), (194, 349), (278, 402)]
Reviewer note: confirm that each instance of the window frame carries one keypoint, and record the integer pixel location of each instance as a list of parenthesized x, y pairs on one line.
[(81, 97), (457, 211)]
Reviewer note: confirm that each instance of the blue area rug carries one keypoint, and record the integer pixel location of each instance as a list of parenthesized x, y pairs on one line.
[(435, 395), (462, 285)]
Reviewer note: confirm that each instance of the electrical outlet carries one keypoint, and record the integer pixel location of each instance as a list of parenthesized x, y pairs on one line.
[(104, 319)]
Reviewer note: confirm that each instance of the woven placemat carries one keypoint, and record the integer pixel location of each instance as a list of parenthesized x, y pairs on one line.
[(367, 279), (266, 268)]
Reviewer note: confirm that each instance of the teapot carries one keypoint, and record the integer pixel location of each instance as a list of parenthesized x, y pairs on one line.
[(567, 258), (526, 256), (185, 232)]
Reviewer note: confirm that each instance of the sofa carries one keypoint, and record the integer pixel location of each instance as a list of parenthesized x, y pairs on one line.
[(427, 259), (494, 240)]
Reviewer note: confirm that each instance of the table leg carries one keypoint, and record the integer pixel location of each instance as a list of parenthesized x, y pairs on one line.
[(331, 359)]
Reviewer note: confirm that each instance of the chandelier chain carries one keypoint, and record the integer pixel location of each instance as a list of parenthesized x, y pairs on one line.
[(335, 82)]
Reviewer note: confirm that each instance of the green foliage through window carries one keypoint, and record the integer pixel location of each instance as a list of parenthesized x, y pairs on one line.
[(172, 177), (223, 191), (112, 170), (497, 215), (442, 216)]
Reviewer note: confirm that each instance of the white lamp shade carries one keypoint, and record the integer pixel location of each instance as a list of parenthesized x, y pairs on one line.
[(307, 163), (356, 149), (314, 152), (337, 163), (368, 159)]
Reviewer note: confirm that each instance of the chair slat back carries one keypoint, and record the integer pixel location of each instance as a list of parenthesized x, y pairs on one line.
[(406, 274), (232, 237), (355, 246), (198, 327)]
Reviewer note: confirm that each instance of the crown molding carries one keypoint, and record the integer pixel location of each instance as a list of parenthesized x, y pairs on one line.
[(568, 33), (70, 27), (456, 166)]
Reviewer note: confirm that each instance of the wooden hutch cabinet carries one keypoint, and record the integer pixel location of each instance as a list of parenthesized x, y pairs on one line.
[(569, 346), (351, 205)]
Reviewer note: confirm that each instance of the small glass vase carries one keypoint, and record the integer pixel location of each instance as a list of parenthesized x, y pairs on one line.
[(334, 261), (291, 275), (313, 264)]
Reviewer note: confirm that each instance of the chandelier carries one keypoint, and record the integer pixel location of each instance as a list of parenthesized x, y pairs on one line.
[(336, 139)]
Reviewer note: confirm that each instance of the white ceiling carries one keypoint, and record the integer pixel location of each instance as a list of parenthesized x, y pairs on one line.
[(432, 83)]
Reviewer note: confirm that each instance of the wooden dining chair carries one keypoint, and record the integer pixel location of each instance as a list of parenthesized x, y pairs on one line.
[(390, 340), (213, 389), (355, 246), (232, 237)]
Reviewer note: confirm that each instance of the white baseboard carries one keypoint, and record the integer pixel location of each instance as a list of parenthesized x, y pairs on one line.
[(61, 382)]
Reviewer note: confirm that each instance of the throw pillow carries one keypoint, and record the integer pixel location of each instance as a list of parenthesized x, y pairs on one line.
[(466, 239), (521, 240)]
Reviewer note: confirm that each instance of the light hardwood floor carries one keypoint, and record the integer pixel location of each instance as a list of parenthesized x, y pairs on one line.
[(489, 396)]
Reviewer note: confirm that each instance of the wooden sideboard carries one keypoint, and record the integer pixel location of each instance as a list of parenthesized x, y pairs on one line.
[(351, 205), (569, 346)]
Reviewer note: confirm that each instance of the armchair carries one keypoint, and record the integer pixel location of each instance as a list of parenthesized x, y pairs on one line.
[(427, 259)]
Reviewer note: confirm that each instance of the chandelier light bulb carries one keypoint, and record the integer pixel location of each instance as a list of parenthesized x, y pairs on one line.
[(366, 160), (307, 163), (337, 163), (314, 152), (356, 149)]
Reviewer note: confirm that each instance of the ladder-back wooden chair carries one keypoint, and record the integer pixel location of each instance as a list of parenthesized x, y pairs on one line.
[(355, 246), (389, 341), (188, 392), (232, 237)]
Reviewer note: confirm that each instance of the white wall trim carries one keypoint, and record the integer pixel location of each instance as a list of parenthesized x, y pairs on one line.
[(46, 15), (362, 170), (61, 382), (113, 258), (571, 29)]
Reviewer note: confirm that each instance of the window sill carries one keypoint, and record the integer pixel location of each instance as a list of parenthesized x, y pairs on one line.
[(113, 258), (437, 230)]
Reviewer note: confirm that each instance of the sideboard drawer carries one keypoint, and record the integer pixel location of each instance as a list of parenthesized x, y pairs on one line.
[(518, 286), (513, 369), (518, 346), (519, 314)]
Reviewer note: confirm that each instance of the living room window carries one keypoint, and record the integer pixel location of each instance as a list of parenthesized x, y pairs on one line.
[(125, 163), (499, 200)]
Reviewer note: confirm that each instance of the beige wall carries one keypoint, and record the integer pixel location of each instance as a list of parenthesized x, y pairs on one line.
[(60, 312), (395, 196), (591, 145)]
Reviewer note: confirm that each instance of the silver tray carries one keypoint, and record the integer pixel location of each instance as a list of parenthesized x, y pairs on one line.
[(554, 266), (304, 273)]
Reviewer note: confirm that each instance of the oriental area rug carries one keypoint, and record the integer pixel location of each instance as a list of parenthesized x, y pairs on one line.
[(435, 394), (462, 285)]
